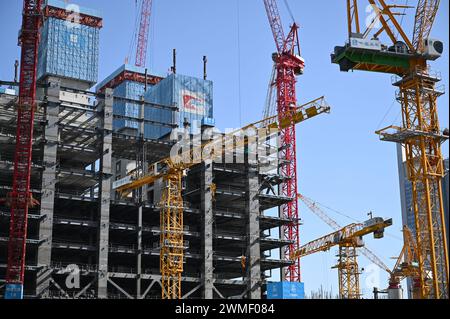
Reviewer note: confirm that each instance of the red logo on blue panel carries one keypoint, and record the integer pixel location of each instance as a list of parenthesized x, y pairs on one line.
[(193, 103)]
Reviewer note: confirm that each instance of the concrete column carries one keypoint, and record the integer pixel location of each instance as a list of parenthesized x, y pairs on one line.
[(207, 230), (47, 204), (139, 253), (142, 200), (253, 234), (105, 196)]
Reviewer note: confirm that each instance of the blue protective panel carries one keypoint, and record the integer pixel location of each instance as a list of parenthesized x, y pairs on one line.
[(68, 50), (285, 290), (135, 90), (14, 291), (193, 97), (63, 5)]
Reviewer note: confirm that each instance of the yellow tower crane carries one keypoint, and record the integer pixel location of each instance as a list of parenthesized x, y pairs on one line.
[(349, 239), (405, 267), (172, 169), (420, 133)]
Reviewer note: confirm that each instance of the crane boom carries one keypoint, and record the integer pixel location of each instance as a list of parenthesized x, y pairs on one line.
[(275, 23), (142, 36), (320, 213), (349, 235), (425, 15), (159, 169), (20, 197), (375, 259), (313, 206)]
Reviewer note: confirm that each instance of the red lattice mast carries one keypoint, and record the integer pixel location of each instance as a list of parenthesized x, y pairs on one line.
[(20, 197), (289, 65)]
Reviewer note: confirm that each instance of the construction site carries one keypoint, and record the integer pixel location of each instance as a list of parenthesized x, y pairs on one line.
[(126, 186)]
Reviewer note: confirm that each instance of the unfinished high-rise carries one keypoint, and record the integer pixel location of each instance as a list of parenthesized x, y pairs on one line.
[(84, 241)]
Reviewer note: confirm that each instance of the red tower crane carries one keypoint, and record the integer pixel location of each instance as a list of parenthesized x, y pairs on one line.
[(142, 35), (288, 64), (20, 197)]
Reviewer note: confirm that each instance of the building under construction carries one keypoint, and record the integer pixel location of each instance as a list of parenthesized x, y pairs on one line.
[(84, 141), (124, 188)]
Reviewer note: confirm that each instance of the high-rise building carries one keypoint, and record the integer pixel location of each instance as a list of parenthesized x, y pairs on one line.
[(406, 196)]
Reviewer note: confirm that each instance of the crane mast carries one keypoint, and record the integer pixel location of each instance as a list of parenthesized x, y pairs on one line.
[(142, 36), (289, 65), (20, 197), (420, 132)]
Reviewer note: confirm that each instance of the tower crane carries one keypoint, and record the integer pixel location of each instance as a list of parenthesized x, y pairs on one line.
[(405, 267), (172, 169), (313, 207), (407, 60), (288, 65), (20, 197), (142, 35), (349, 239)]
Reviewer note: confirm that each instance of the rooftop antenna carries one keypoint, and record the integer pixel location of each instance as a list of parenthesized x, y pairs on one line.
[(205, 63), (174, 58), (16, 71)]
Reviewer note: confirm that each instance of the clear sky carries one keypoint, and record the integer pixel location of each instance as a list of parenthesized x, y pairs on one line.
[(341, 162)]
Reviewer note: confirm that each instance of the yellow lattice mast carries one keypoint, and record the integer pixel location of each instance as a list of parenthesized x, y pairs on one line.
[(420, 133), (171, 238), (348, 272)]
